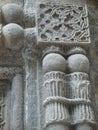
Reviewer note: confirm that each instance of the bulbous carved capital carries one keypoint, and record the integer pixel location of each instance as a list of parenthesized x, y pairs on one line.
[(54, 62), (78, 63), (13, 36)]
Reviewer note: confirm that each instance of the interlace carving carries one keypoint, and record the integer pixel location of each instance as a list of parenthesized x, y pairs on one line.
[(63, 23)]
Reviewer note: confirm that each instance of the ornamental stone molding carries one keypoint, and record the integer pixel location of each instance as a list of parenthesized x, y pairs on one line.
[(48, 65)]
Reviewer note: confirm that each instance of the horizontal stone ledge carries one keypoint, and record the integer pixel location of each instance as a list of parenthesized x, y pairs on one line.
[(85, 121), (65, 101), (63, 43)]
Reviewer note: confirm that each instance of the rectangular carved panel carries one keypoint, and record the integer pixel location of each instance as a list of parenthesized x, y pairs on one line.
[(62, 23)]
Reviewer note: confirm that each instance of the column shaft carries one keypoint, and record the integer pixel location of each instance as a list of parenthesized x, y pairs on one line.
[(17, 102)]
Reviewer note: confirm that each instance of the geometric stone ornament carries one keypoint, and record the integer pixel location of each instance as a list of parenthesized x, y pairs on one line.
[(62, 23)]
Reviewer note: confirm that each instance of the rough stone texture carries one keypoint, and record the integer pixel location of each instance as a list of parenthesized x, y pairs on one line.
[(37, 41), (19, 2), (93, 11)]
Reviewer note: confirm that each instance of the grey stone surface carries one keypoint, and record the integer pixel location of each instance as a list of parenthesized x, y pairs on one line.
[(53, 44), (12, 13)]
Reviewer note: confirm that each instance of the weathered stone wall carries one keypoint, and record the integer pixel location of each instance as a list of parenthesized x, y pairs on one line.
[(93, 20), (34, 65)]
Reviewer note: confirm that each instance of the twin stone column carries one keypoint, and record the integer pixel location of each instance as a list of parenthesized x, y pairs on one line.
[(67, 91)]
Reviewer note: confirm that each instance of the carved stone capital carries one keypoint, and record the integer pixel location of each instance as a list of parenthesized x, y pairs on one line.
[(9, 72)]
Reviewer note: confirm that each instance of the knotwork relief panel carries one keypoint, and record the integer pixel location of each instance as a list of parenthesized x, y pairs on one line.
[(62, 23)]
